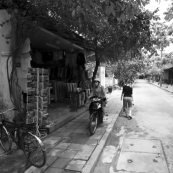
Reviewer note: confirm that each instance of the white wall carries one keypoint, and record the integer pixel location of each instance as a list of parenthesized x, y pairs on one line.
[(5, 50)]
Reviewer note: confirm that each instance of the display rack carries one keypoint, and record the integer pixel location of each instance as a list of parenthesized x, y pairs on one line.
[(31, 101), (38, 96), (43, 84)]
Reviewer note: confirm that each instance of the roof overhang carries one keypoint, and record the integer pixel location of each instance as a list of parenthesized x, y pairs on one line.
[(44, 39), (167, 66)]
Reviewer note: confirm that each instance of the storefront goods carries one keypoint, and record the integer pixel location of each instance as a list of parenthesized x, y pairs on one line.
[(38, 87)]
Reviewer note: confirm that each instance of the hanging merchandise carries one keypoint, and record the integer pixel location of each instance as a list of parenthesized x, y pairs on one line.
[(73, 59), (82, 75), (68, 72), (37, 58), (68, 60), (81, 61), (54, 84), (86, 74), (60, 90), (86, 84), (55, 56)]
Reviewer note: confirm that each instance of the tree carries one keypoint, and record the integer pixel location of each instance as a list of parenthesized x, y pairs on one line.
[(99, 22), (161, 37), (90, 17), (128, 69), (169, 13)]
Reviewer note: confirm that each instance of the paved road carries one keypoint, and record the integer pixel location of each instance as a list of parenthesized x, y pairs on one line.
[(152, 119)]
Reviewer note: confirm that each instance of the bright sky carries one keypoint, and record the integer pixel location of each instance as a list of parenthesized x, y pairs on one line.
[(163, 5)]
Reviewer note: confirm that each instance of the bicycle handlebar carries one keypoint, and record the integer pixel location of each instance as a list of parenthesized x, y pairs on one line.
[(6, 111), (101, 98)]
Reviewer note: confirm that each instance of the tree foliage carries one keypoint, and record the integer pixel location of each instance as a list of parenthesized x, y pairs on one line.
[(115, 29), (169, 13), (128, 69)]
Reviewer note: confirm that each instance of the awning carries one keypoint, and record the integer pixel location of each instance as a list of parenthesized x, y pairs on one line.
[(44, 39), (167, 66)]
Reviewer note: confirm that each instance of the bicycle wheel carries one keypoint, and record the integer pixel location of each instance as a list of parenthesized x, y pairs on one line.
[(34, 149), (5, 139)]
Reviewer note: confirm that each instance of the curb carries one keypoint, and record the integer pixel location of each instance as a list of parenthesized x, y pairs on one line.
[(90, 165), (160, 87)]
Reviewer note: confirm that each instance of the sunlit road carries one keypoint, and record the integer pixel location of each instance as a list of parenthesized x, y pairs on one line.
[(152, 119)]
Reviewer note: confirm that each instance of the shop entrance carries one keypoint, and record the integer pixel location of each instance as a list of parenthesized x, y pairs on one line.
[(53, 69)]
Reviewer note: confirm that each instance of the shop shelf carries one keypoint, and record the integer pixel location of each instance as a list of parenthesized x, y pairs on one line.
[(43, 71), (31, 113), (31, 77), (31, 106), (43, 85), (31, 120), (31, 84), (31, 99), (43, 92), (31, 92), (32, 70), (43, 78), (43, 105)]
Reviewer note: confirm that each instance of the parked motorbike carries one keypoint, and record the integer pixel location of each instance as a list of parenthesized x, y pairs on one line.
[(96, 113)]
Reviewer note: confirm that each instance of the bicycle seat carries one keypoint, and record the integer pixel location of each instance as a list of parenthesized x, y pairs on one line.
[(18, 123), (23, 124)]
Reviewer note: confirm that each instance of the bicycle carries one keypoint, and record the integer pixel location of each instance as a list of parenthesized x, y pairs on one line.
[(21, 134)]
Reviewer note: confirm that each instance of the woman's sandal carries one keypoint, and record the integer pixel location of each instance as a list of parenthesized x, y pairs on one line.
[(129, 117)]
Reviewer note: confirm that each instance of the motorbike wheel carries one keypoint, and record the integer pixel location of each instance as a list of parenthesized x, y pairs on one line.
[(93, 121), (101, 118)]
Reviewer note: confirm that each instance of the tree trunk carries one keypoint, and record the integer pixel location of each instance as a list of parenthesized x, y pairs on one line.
[(97, 65)]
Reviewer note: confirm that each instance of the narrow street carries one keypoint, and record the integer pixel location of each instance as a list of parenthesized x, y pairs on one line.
[(145, 143)]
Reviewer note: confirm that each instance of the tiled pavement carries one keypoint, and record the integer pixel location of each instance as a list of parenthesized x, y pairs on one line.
[(71, 148)]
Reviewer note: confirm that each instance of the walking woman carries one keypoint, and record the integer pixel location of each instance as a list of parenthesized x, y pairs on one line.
[(127, 96)]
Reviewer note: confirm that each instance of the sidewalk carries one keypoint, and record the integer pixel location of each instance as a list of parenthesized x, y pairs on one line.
[(166, 87), (71, 149), (61, 116)]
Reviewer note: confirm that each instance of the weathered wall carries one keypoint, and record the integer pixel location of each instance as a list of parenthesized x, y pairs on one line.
[(5, 50)]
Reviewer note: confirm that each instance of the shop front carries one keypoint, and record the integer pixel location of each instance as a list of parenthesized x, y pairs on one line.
[(168, 74), (53, 78)]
